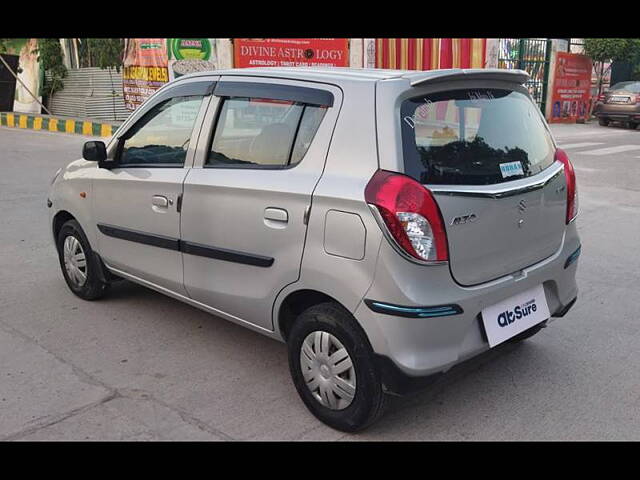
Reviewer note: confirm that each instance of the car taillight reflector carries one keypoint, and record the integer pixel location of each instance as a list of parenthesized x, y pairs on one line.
[(410, 213), (572, 190)]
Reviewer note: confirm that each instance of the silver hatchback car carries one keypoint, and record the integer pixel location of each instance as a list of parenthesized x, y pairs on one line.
[(385, 224)]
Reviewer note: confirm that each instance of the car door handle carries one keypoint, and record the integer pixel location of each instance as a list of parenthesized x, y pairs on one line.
[(160, 201), (276, 214)]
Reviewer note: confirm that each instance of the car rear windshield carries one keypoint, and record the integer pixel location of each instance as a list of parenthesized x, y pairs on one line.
[(633, 87), (474, 137)]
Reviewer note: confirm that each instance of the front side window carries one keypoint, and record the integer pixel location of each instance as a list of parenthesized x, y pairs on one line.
[(162, 136), (259, 132), (474, 137)]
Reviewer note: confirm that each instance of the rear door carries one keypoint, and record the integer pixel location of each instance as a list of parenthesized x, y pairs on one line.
[(488, 157), (261, 152)]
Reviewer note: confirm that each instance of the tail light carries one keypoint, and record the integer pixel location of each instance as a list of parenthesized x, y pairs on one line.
[(410, 213), (637, 98), (572, 190)]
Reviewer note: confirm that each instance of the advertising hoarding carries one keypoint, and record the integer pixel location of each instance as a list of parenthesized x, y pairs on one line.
[(571, 88), (145, 69), (290, 52)]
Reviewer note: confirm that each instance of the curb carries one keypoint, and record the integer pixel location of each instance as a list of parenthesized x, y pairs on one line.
[(57, 124)]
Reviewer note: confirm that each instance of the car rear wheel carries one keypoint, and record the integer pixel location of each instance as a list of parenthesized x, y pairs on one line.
[(80, 266), (603, 122), (632, 125), (333, 370)]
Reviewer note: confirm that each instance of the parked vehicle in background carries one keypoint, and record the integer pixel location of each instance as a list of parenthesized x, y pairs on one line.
[(385, 224), (621, 103)]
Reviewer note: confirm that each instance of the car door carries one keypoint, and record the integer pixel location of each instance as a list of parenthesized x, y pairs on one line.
[(136, 197), (261, 152)]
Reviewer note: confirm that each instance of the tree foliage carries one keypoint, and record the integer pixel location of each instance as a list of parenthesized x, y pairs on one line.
[(101, 52), (612, 49), (51, 58)]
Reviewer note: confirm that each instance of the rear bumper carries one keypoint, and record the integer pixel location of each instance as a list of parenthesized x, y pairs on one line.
[(421, 346), (397, 382), (618, 112)]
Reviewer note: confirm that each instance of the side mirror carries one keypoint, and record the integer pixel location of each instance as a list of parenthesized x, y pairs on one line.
[(94, 151)]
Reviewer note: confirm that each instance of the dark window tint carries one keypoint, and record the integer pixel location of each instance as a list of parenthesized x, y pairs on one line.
[(162, 136), (256, 132), (474, 137)]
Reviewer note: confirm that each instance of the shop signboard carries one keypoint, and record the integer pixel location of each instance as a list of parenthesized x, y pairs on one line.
[(145, 69), (571, 88), (188, 55), (290, 52)]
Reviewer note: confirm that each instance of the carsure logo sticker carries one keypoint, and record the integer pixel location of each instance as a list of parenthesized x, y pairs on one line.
[(516, 314), (520, 311)]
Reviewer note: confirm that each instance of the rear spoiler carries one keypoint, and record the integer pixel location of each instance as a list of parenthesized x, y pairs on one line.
[(418, 79)]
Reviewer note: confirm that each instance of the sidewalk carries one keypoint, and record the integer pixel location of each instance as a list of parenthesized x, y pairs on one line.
[(81, 126)]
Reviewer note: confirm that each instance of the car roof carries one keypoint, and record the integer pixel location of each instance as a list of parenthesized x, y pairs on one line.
[(346, 74)]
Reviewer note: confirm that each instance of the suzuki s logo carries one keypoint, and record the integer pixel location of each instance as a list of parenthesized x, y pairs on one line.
[(522, 206), (509, 316), (462, 219)]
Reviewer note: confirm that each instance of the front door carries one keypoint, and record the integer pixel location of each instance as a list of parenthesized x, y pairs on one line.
[(245, 200), (136, 201)]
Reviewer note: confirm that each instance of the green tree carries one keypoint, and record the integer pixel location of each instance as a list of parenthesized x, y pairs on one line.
[(101, 52), (608, 50), (51, 58)]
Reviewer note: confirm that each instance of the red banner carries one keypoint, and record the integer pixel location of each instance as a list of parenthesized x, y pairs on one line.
[(290, 52), (571, 88)]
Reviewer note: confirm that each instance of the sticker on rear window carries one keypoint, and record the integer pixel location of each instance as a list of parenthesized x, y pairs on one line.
[(510, 169)]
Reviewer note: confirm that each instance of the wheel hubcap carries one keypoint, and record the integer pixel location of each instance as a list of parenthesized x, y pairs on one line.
[(75, 262), (328, 370)]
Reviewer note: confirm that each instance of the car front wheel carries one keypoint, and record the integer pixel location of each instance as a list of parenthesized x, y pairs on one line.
[(333, 370), (79, 265), (603, 122)]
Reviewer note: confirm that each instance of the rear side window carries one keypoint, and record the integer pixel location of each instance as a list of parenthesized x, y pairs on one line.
[(259, 132), (474, 137)]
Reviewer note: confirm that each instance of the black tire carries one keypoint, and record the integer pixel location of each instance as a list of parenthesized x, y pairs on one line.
[(369, 399), (603, 122), (632, 125), (527, 333), (94, 287)]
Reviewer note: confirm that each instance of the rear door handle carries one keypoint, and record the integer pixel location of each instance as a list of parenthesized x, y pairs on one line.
[(160, 201)]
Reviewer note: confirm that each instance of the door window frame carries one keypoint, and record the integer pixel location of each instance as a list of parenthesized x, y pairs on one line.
[(276, 89), (197, 87)]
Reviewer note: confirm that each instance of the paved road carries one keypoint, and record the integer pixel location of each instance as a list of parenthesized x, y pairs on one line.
[(139, 365)]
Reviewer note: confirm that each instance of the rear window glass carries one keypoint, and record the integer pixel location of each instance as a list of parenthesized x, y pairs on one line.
[(473, 137), (633, 87)]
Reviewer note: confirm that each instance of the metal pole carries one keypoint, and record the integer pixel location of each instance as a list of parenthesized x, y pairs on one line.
[(25, 87)]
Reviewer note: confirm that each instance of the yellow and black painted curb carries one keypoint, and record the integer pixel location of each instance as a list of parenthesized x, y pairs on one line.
[(57, 124)]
